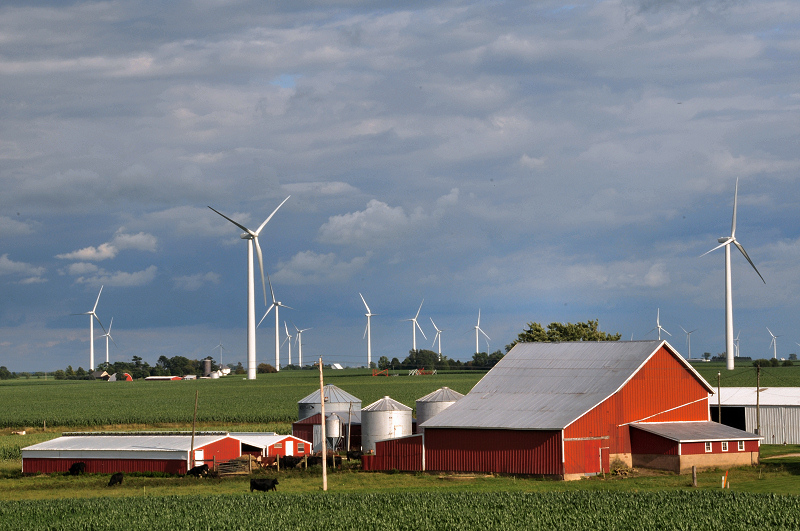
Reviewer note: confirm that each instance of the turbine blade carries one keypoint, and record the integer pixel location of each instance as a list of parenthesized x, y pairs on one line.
[(261, 268), (365, 332), (98, 299), (726, 242), (420, 309), (365, 303), (420, 329), (284, 306), (270, 289), (98, 321), (735, 197), (479, 318), (665, 331), (265, 315), (110, 325), (270, 216), (484, 333), (739, 246), (248, 231)]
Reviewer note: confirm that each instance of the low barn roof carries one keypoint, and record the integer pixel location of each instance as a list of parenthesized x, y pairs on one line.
[(130, 443), (768, 396), (263, 440), (695, 431), (547, 386)]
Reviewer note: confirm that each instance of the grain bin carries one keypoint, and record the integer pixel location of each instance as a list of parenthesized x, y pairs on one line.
[(435, 402), (384, 419), (336, 401)]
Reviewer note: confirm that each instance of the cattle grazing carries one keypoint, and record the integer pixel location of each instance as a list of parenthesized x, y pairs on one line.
[(290, 461), (77, 469), (198, 471), (116, 479), (354, 454), (263, 484)]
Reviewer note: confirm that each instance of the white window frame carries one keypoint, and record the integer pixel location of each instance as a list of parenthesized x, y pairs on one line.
[(741, 446), (708, 447), (724, 446)]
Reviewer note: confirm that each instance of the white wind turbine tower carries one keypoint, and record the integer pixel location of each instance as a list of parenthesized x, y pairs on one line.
[(658, 325), (289, 339), (252, 236), (221, 348), (773, 344), (368, 331), (726, 242), (736, 344), (478, 331), (689, 340), (107, 335), (438, 336), (92, 316), (299, 342), (275, 304), (414, 326)]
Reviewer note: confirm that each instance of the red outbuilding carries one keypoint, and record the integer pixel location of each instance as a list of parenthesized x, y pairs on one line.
[(566, 410), (267, 445)]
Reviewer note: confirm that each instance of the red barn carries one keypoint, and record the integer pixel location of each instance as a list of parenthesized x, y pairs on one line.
[(265, 445), (567, 410), (107, 453)]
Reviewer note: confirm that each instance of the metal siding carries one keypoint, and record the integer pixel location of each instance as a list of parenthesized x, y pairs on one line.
[(643, 442), (396, 454), (33, 465), (222, 450), (501, 451), (779, 424)]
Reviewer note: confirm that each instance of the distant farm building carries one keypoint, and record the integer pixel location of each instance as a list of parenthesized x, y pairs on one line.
[(108, 453), (164, 378), (269, 445), (777, 407), (570, 409), (310, 429)]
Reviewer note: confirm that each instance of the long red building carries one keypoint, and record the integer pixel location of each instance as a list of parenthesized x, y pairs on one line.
[(570, 409)]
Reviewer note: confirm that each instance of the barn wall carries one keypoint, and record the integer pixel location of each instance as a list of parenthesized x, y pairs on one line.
[(662, 384), (779, 424), (222, 450), (304, 429), (33, 465), (696, 448), (273, 450), (586, 456), (503, 451), (396, 454), (643, 442)]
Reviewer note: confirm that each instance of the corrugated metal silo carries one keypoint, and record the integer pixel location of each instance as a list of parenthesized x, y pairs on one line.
[(435, 402), (384, 419), (336, 401)]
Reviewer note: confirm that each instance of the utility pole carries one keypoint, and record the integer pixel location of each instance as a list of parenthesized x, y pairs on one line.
[(758, 401), (719, 401), (324, 438), (194, 420)]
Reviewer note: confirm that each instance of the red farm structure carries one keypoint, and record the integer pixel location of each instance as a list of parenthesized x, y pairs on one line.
[(568, 410), (268, 445), (107, 453)]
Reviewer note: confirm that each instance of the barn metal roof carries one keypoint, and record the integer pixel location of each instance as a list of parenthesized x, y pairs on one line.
[(445, 394), (333, 394), (386, 404), (695, 431), (129, 443), (354, 417), (547, 386), (262, 440), (768, 396)]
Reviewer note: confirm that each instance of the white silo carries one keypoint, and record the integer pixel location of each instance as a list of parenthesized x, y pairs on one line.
[(436, 402), (384, 419), (336, 401)]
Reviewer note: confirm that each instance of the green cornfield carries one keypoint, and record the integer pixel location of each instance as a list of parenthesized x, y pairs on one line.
[(272, 398), (414, 511)]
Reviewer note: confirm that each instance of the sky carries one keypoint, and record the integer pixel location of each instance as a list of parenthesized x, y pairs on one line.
[(534, 161)]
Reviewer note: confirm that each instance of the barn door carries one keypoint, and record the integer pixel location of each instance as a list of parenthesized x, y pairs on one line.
[(591, 456), (198, 457), (288, 448), (317, 442), (605, 459)]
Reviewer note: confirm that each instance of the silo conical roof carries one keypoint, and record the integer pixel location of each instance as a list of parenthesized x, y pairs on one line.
[(445, 394), (334, 395), (386, 404)]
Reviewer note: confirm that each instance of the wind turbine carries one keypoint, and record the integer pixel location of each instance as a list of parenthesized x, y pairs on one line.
[(368, 331), (299, 342), (726, 242), (736, 344), (275, 304), (773, 344), (414, 326), (92, 317), (221, 348), (477, 336), (438, 336), (689, 340), (252, 236), (107, 335), (289, 339), (658, 325)]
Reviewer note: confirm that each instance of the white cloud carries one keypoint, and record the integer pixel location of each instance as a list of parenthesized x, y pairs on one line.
[(106, 251), (308, 267), (32, 273), (377, 223), (12, 227), (195, 282), (532, 162), (321, 188), (140, 241), (82, 268), (121, 279)]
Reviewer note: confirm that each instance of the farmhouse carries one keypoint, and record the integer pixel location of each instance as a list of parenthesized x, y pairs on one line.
[(109, 452), (777, 409), (570, 409)]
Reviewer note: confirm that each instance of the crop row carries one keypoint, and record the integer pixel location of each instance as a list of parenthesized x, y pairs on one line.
[(414, 511), (270, 399)]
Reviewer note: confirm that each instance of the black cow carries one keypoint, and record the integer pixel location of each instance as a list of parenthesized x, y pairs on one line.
[(198, 471), (77, 469), (116, 479), (290, 461), (263, 484)]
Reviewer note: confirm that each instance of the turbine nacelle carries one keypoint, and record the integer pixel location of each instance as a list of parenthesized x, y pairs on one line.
[(246, 236)]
